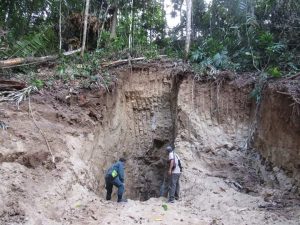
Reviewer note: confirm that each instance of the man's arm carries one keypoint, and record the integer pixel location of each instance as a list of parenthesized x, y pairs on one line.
[(121, 172)]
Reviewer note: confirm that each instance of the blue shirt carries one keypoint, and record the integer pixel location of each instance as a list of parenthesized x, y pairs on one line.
[(119, 167)]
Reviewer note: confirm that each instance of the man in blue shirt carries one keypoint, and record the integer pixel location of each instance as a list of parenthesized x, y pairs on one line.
[(115, 177)]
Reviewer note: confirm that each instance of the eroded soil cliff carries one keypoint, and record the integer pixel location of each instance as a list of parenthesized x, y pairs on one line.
[(214, 125)]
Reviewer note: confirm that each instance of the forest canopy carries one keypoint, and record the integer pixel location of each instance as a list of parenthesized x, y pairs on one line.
[(238, 35)]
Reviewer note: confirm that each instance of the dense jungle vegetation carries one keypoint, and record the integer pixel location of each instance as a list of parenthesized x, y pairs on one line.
[(237, 35)]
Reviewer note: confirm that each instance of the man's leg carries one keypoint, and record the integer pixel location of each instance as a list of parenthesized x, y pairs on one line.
[(120, 187), (162, 188), (177, 191), (109, 188), (174, 178), (165, 187)]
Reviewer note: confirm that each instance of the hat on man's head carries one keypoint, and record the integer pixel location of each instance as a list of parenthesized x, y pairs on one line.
[(169, 149), (122, 160)]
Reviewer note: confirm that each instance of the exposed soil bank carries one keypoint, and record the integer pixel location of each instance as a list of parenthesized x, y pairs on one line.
[(224, 181), (141, 122), (277, 135), (222, 113)]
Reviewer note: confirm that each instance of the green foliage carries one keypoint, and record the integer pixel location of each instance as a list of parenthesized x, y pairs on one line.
[(37, 83), (34, 44), (251, 34), (242, 35), (198, 55), (274, 72), (150, 51), (212, 53), (212, 46), (86, 70), (276, 48), (265, 39)]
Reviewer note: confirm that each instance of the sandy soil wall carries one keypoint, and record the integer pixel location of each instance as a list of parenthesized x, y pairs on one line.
[(215, 114), (277, 136), (138, 121)]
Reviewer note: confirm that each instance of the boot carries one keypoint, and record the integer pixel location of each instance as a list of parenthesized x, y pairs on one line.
[(108, 197), (120, 199)]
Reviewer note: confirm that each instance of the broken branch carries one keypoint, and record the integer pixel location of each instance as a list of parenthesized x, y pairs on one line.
[(40, 130)]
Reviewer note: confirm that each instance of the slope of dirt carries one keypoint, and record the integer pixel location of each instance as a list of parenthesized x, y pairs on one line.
[(224, 181)]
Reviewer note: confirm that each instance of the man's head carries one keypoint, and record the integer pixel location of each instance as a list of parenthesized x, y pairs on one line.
[(123, 160), (169, 149)]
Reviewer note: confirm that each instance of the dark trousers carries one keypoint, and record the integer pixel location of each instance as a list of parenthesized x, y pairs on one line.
[(109, 183), (165, 186), (174, 186)]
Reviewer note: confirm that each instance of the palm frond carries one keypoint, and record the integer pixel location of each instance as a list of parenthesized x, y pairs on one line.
[(31, 45), (16, 96)]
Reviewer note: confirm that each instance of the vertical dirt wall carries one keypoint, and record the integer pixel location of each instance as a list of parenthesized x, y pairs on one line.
[(138, 122), (214, 114), (277, 136), (151, 107)]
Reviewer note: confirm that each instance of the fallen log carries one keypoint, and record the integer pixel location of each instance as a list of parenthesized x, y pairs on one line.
[(120, 62), (18, 61), (124, 61), (9, 63), (9, 85)]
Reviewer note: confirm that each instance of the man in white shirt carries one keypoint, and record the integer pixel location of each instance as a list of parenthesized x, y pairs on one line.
[(174, 173)]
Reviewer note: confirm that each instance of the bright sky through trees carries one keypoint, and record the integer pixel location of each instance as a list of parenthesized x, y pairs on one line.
[(172, 22)]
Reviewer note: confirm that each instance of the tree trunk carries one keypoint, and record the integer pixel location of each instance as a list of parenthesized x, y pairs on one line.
[(86, 15), (60, 37), (114, 22), (102, 28), (30, 11), (188, 27), (181, 18), (164, 15), (131, 29)]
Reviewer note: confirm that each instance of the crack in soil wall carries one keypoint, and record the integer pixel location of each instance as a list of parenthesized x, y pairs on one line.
[(142, 122)]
